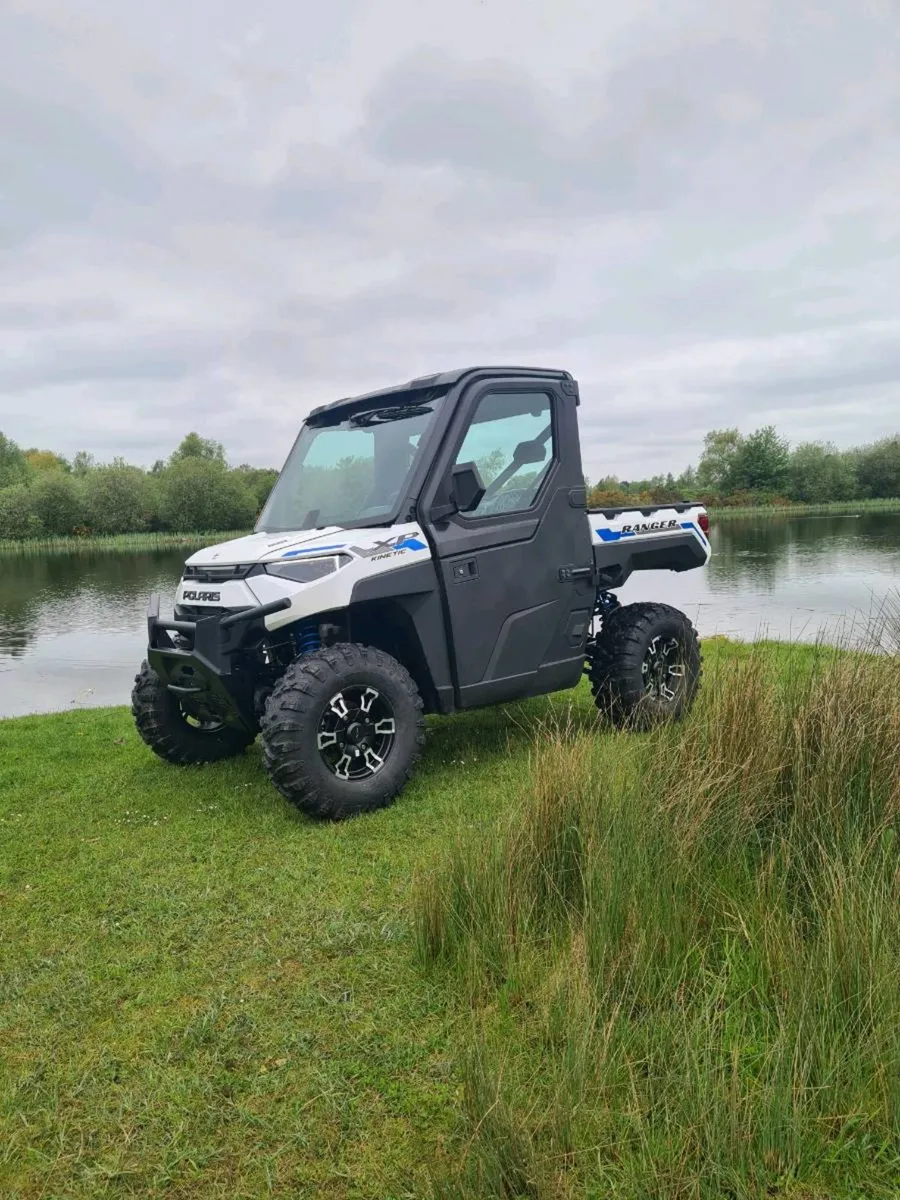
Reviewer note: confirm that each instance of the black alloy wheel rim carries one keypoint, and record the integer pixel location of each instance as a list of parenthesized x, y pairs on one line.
[(195, 710), (202, 722), (663, 669), (356, 733)]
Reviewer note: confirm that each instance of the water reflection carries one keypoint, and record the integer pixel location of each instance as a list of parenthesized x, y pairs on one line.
[(765, 552), (50, 595), (55, 594), (72, 626), (788, 577)]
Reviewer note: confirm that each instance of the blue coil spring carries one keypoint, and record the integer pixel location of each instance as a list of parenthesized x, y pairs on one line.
[(308, 639)]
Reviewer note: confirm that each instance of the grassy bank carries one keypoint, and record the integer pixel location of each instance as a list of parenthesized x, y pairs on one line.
[(205, 994), (651, 966), (683, 954), (836, 508), (116, 542)]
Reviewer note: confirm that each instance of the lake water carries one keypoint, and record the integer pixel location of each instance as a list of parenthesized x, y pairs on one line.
[(73, 632)]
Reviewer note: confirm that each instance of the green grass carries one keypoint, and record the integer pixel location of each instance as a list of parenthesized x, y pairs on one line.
[(565, 963), (206, 994), (835, 507), (682, 952), (114, 542)]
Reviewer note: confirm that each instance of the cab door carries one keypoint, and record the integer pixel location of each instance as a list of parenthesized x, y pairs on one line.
[(515, 571)]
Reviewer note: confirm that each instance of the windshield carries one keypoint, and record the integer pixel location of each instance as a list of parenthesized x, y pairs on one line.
[(351, 472)]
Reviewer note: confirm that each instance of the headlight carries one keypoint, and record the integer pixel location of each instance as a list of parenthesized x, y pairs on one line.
[(306, 570)]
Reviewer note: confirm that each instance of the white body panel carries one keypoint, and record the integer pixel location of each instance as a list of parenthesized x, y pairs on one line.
[(369, 552), (661, 522)]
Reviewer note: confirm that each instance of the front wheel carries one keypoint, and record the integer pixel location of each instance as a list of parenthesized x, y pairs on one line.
[(645, 665), (342, 731), (173, 732)]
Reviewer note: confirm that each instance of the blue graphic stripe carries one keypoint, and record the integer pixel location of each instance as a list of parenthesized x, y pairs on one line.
[(695, 529), (312, 550), (614, 535)]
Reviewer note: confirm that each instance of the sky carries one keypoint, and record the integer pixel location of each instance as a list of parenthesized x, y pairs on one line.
[(216, 215)]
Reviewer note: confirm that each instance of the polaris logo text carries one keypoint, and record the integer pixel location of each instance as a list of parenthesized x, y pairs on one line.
[(209, 597), (650, 527)]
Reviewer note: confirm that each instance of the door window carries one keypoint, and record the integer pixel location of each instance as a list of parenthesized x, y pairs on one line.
[(510, 439)]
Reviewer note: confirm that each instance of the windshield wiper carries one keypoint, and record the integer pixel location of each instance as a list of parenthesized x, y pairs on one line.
[(380, 416)]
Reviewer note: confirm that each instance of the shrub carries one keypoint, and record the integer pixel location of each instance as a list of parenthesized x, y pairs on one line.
[(13, 464), (17, 516), (202, 495), (820, 472), (119, 499), (58, 501), (610, 497), (878, 468), (260, 481), (194, 446), (45, 460)]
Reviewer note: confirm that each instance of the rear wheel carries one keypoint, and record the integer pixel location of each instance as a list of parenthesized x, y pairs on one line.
[(645, 665), (342, 731), (174, 732)]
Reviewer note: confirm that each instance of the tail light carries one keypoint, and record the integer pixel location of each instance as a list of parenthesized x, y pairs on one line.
[(703, 522)]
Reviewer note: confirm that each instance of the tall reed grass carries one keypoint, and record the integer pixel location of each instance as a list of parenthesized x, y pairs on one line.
[(682, 951), (833, 507), (115, 543)]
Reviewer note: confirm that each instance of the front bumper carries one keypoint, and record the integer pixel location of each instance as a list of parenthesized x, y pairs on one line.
[(208, 672)]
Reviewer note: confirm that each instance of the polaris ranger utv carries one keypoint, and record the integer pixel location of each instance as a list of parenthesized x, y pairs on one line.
[(426, 549)]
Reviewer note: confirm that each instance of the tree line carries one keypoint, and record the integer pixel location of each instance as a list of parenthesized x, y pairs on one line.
[(762, 468), (43, 494)]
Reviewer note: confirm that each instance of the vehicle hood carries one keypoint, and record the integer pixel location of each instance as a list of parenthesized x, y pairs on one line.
[(262, 547)]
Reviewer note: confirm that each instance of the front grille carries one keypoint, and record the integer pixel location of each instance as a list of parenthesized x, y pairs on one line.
[(217, 574), (194, 612)]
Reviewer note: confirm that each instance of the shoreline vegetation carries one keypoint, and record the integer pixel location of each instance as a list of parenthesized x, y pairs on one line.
[(165, 540), (682, 952), (658, 965), (837, 508), (117, 543)]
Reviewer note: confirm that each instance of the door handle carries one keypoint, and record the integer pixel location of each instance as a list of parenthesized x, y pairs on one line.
[(569, 574), (463, 571)]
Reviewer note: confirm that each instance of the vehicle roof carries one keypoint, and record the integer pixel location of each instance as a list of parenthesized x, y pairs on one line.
[(443, 379)]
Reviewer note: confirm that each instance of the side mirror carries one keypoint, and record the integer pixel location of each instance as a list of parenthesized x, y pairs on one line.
[(467, 486), (530, 452)]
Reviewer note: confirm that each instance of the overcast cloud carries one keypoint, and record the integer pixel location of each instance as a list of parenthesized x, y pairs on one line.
[(216, 216)]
